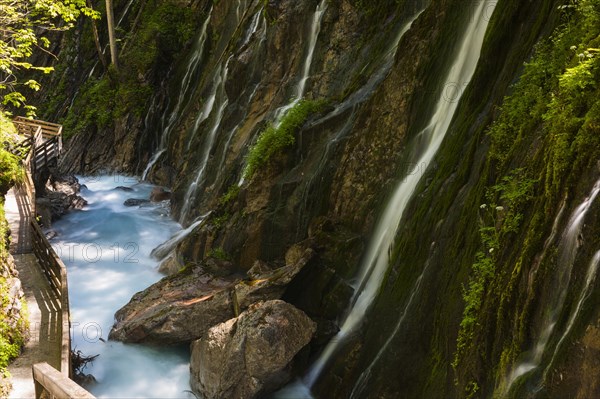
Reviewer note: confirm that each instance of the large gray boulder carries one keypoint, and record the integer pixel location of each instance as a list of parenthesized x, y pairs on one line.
[(252, 354), (182, 307)]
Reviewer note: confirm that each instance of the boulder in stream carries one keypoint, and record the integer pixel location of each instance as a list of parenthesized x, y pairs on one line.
[(182, 307), (252, 354), (135, 201)]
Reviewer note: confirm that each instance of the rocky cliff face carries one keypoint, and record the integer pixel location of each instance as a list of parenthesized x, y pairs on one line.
[(460, 307)]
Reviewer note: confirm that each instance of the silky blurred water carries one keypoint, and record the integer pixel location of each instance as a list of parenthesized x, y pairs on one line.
[(106, 248)]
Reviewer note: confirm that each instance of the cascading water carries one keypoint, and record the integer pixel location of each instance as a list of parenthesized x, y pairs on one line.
[(183, 97), (164, 249), (315, 29), (221, 96), (376, 261), (106, 248), (583, 296), (568, 248)]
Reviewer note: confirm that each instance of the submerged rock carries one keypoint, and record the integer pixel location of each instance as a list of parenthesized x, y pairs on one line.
[(135, 201), (251, 354), (124, 188), (182, 307)]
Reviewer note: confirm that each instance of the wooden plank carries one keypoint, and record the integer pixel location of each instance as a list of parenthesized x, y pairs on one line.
[(57, 384)]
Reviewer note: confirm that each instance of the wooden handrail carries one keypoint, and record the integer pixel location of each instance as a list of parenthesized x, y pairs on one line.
[(56, 273), (56, 384), (50, 129)]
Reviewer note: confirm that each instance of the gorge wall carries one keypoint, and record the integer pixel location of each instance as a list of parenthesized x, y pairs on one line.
[(479, 252)]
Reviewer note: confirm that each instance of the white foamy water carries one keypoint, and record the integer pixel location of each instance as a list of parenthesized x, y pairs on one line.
[(106, 248)]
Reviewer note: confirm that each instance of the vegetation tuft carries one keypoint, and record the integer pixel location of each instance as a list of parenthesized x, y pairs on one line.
[(274, 139)]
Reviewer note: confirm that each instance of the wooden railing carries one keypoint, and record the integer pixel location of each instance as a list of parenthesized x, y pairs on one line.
[(46, 140), (27, 126), (57, 383), (56, 273), (59, 386)]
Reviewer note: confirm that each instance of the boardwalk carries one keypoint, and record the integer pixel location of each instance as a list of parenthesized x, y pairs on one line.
[(44, 368), (44, 310)]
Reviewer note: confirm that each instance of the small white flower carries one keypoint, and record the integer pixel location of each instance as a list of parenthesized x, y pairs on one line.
[(573, 48), (491, 250), (499, 208), (483, 206)]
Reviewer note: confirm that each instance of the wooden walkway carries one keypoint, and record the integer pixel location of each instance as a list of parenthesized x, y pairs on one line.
[(45, 363), (44, 310)]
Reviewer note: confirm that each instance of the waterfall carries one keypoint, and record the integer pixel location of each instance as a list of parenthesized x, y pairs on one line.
[(568, 247), (583, 296), (315, 29), (164, 249), (220, 95), (125, 11), (360, 384), (191, 71), (254, 25), (375, 263)]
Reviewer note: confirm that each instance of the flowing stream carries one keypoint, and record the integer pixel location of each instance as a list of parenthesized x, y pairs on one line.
[(106, 248)]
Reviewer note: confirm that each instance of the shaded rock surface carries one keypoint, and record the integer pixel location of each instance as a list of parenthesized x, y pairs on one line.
[(250, 355), (159, 194), (182, 307), (61, 195)]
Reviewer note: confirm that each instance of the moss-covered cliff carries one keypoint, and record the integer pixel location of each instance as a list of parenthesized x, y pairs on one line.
[(203, 84)]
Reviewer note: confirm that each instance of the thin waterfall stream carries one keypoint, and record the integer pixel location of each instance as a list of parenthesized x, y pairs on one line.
[(568, 248), (182, 99), (106, 248)]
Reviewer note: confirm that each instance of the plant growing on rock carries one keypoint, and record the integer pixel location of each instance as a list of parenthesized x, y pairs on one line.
[(274, 139)]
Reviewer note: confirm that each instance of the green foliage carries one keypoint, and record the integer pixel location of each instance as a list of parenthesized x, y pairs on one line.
[(12, 332), (94, 106), (23, 25), (220, 221), (482, 271), (273, 140), (165, 28), (218, 253), (497, 222), (557, 96), (513, 190), (10, 165), (230, 195)]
